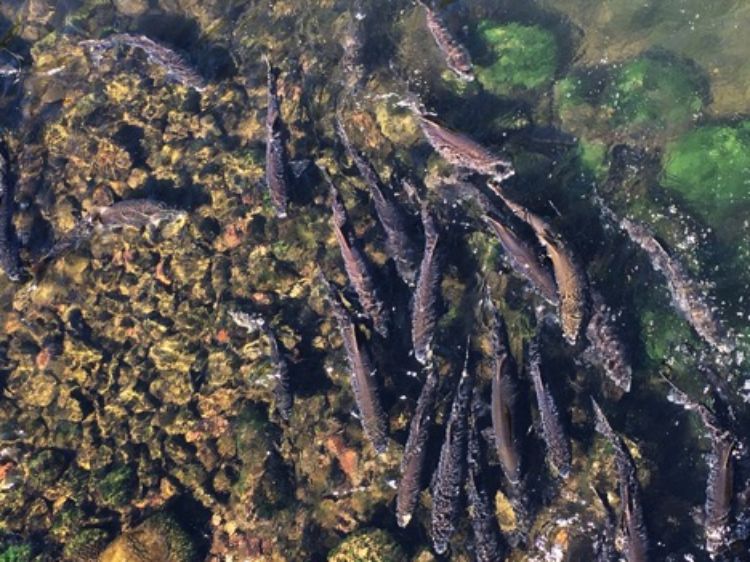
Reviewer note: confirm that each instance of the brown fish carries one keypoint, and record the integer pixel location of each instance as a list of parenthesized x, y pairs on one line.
[(424, 308), (451, 470), (720, 484), (687, 296), (398, 242), (503, 401), (282, 387), (456, 56), (415, 450), (134, 213), (362, 374), (462, 151), (524, 260), (558, 447), (277, 176), (607, 349), (356, 265), (633, 523), (570, 277)]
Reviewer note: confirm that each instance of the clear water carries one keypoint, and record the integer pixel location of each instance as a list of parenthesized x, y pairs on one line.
[(128, 391)]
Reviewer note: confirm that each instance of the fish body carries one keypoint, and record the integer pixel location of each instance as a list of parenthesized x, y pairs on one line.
[(460, 150), (356, 266), (451, 470), (455, 54), (633, 523), (524, 260), (398, 243), (487, 545), (570, 277), (502, 403), (424, 309), (282, 387), (412, 463), (134, 213), (174, 66), (558, 447), (607, 349), (361, 376), (352, 62), (277, 176), (720, 482), (687, 295), (10, 259)]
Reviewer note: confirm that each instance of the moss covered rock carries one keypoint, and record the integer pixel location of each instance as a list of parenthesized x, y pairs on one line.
[(158, 539), (372, 545), (117, 486), (654, 93), (710, 166), (16, 553), (524, 57), (86, 545)]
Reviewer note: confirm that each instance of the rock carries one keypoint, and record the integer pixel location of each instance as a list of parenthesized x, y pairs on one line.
[(117, 487), (525, 57), (86, 545), (371, 545), (158, 539)]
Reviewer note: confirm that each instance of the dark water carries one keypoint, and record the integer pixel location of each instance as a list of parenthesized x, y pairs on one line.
[(131, 400)]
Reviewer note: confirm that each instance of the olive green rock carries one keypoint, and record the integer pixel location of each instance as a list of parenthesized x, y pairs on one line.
[(86, 546), (117, 486), (371, 545), (158, 539), (16, 553)]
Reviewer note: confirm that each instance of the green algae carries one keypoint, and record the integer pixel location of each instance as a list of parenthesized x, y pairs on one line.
[(653, 94), (525, 57), (17, 553), (117, 486), (710, 166)]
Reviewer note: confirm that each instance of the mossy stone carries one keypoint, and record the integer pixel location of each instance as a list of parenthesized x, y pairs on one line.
[(86, 545), (525, 57), (117, 486), (371, 545), (710, 166), (16, 553), (158, 539)]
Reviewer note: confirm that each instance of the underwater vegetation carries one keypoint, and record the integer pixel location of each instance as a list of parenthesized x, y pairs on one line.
[(652, 95), (522, 57)]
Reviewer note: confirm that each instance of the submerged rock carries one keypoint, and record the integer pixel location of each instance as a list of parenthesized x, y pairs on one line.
[(525, 57), (372, 545), (158, 539), (651, 94)]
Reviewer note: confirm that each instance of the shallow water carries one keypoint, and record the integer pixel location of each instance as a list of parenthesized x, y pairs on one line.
[(131, 400)]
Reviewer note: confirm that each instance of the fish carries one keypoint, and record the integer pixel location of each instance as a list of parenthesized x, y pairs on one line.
[(553, 434), (524, 259), (636, 548), (353, 41), (362, 375), (570, 277), (10, 258), (398, 242), (277, 176), (487, 542), (174, 66), (133, 213), (461, 150), (687, 295), (424, 307), (502, 401), (282, 388), (451, 470), (455, 54), (607, 349), (720, 483), (356, 265), (412, 463)]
